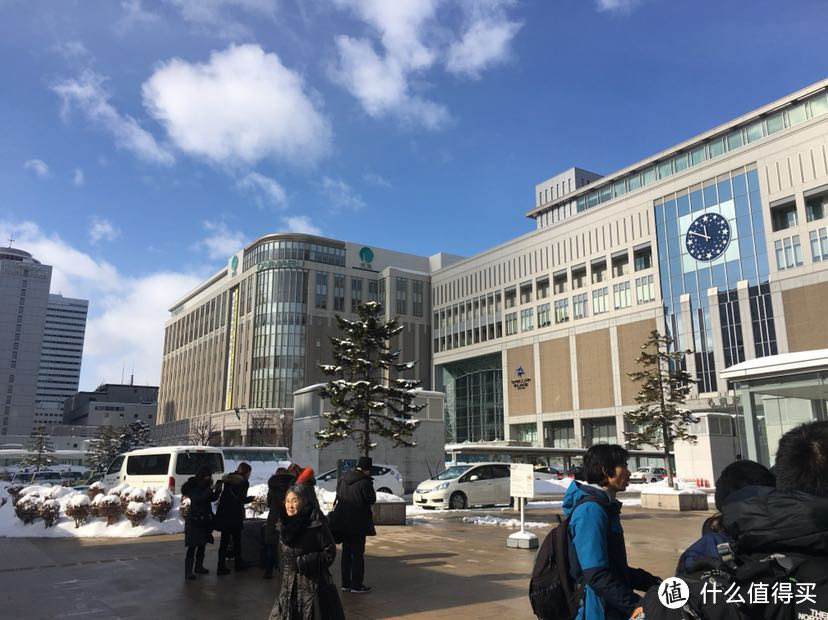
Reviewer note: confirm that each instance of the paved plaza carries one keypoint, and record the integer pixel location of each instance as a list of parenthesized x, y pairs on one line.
[(435, 568)]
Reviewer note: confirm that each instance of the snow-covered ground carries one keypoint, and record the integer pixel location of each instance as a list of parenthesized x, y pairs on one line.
[(513, 523)]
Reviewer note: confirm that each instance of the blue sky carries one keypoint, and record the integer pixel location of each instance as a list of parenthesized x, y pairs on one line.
[(142, 142)]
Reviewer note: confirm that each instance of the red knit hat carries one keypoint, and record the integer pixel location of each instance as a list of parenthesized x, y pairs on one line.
[(305, 476)]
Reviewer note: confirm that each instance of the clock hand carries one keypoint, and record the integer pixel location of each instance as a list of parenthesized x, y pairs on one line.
[(692, 232)]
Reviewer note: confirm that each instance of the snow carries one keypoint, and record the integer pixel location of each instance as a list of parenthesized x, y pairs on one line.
[(662, 488), (388, 498), (136, 507), (262, 470), (552, 487), (162, 495), (500, 521), (81, 499)]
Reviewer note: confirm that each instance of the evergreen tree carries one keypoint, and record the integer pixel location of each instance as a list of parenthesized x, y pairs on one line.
[(103, 448), (366, 401), (39, 451), (661, 416), (135, 435)]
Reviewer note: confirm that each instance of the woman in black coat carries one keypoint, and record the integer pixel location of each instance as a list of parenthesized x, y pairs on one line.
[(230, 515), (198, 525), (306, 552), (277, 488)]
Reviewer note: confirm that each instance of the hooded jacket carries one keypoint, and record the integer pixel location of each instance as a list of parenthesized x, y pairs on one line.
[(198, 526), (277, 487), (230, 510), (599, 556), (354, 497)]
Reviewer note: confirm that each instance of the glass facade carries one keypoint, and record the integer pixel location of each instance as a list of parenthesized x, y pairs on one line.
[(559, 434), (735, 196), (474, 398), (278, 357), (294, 250), (524, 433)]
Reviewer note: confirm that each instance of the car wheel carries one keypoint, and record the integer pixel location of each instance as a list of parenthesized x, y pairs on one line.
[(457, 501), (384, 490), (653, 479)]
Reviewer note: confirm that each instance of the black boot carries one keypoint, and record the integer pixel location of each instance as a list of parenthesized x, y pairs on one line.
[(188, 569), (241, 564), (200, 570), (199, 562), (222, 567)]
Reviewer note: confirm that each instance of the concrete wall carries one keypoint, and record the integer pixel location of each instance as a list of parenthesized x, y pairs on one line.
[(415, 464)]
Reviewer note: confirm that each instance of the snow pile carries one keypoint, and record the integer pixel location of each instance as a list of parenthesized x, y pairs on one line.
[(552, 487), (387, 498), (79, 500), (662, 488), (137, 495), (262, 470), (513, 523), (258, 507)]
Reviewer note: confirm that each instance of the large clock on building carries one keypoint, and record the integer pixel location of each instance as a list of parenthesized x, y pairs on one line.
[(708, 236)]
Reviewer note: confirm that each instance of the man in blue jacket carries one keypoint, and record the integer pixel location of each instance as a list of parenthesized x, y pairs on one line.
[(597, 552)]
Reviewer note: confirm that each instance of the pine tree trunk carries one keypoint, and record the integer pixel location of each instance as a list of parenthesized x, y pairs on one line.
[(367, 437), (665, 440)]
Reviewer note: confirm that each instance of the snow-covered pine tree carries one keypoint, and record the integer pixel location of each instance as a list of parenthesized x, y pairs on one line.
[(661, 416), (366, 401), (39, 451), (135, 435), (103, 448)]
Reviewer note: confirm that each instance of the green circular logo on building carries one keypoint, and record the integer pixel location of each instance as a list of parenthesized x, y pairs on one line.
[(366, 255), (234, 262)]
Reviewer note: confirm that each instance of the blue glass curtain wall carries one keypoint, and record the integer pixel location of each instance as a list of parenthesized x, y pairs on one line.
[(735, 196), (474, 399)]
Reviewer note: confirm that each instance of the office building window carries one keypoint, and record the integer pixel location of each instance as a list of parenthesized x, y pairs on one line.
[(524, 433), (600, 300), (561, 311), (814, 208), (644, 290), (819, 244), (526, 320), (643, 259), (402, 295), (511, 323), (559, 283), (620, 265), (578, 277), (788, 252), (599, 271), (559, 434), (783, 216), (339, 293), (543, 288), (543, 316), (417, 295), (373, 290), (580, 305), (526, 293), (356, 293), (509, 298), (621, 295)]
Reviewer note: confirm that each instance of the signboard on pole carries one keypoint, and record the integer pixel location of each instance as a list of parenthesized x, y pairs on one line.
[(522, 480)]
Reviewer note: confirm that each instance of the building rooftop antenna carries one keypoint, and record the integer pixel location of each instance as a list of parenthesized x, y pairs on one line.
[(11, 239)]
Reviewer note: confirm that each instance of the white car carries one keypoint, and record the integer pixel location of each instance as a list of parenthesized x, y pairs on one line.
[(461, 486), (164, 466), (648, 474), (387, 479)]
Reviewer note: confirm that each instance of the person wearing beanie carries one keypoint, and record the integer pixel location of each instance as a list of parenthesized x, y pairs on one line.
[(738, 475), (352, 521)]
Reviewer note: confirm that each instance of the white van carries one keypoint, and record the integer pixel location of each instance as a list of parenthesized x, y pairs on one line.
[(164, 466)]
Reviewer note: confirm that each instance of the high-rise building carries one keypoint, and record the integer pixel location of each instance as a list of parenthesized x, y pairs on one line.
[(24, 296), (60, 357)]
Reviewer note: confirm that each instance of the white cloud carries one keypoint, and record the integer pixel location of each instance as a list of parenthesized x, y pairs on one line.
[(72, 50), (341, 195), (217, 16), (376, 179), (485, 41), (300, 224), (87, 93), (115, 300), (78, 178), (102, 229), (220, 241), (267, 190), (38, 166), (617, 6), (243, 105), (414, 35), (136, 15)]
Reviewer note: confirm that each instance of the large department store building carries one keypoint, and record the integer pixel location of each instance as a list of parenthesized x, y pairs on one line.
[(721, 241)]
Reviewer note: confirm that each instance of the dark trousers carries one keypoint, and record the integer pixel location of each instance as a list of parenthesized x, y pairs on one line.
[(194, 554), (237, 548), (271, 557), (353, 560)]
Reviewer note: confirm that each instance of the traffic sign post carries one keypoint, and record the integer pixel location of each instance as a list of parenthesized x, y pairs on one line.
[(522, 487)]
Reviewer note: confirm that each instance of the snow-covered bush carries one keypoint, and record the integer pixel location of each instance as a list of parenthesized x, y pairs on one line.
[(94, 489), (110, 507), (137, 495), (259, 504), (149, 493), (14, 493), (119, 488), (95, 508), (136, 512), (28, 508), (78, 508), (184, 507), (50, 511), (161, 504)]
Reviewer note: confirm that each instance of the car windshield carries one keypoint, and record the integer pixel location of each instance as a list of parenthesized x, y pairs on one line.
[(455, 471), (643, 470)]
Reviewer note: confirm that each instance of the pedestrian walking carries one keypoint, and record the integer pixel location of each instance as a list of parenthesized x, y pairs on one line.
[(198, 525), (277, 488), (306, 552), (597, 538), (230, 516), (352, 520)]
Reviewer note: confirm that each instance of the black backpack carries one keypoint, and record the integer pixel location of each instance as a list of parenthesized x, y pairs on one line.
[(554, 594)]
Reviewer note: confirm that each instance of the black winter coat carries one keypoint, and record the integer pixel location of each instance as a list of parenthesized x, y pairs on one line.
[(198, 528), (354, 497), (277, 487), (230, 511), (307, 589)]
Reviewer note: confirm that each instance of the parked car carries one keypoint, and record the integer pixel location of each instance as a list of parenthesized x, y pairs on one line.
[(461, 486), (87, 480), (387, 479), (648, 474), (41, 477), (167, 466), (70, 478), (548, 473), (577, 472)]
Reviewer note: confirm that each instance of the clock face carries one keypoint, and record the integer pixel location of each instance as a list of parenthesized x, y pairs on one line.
[(708, 237)]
